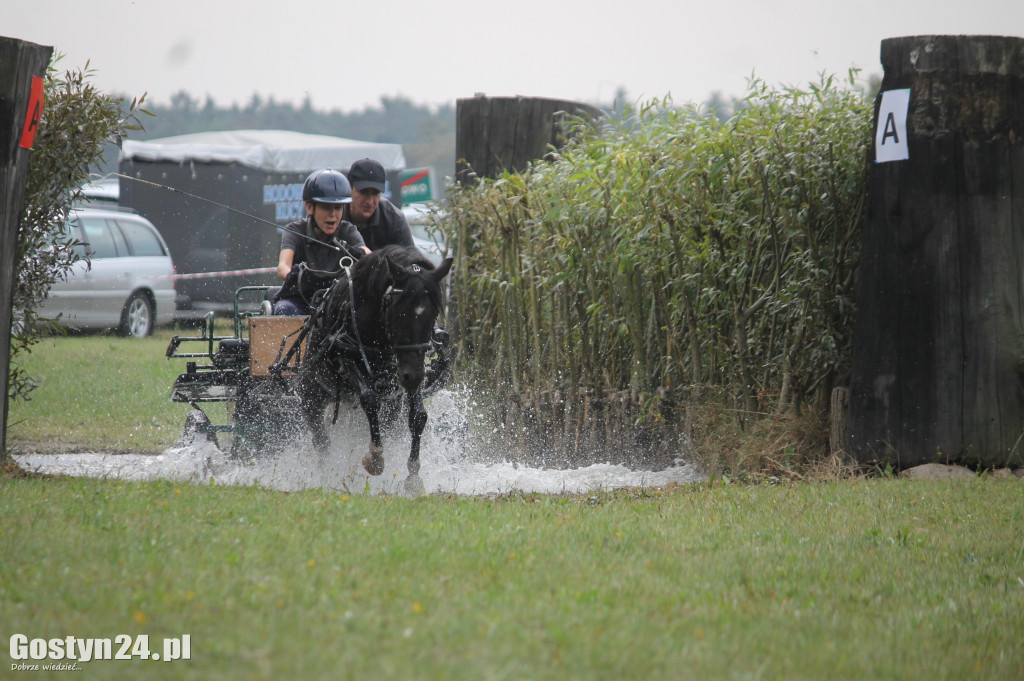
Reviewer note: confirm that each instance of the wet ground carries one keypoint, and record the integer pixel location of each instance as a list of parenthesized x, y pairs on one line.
[(454, 459)]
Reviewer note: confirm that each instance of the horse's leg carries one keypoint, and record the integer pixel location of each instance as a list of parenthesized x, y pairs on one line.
[(313, 410), (417, 421), (370, 401), (313, 399)]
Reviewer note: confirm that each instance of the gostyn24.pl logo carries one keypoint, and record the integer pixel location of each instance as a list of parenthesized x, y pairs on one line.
[(70, 650)]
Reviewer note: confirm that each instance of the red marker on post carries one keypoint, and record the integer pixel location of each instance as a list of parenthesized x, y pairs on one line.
[(34, 113)]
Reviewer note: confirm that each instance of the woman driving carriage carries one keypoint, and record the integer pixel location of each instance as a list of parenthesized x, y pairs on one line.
[(312, 248)]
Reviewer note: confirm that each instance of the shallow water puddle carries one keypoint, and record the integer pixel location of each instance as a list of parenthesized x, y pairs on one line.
[(454, 460)]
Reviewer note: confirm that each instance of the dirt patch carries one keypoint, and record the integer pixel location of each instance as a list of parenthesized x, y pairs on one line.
[(11, 469)]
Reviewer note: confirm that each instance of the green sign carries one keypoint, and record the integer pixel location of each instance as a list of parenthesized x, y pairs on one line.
[(417, 185)]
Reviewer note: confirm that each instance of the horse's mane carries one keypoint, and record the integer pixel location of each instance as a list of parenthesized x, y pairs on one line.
[(371, 275)]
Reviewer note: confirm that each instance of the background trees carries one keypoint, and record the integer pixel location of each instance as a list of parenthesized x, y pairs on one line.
[(426, 133)]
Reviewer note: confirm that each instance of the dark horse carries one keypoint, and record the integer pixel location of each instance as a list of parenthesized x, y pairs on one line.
[(369, 338)]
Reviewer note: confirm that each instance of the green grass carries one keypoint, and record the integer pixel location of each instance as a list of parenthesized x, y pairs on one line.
[(103, 392), (881, 579), (865, 579)]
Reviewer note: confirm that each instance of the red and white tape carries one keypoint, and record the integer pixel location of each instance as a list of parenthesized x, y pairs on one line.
[(230, 273), (197, 275)]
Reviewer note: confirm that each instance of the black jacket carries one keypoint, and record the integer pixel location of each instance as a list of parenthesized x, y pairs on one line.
[(386, 226)]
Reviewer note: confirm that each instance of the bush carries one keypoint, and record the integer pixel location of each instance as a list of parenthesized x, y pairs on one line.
[(666, 261), (77, 120)]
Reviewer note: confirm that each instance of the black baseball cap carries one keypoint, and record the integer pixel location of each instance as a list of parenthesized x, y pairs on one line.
[(367, 174)]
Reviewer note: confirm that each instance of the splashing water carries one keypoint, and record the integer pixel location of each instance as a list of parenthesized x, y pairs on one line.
[(455, 459)]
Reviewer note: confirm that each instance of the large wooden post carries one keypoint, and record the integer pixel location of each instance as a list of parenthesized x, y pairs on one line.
[(22, 67), (495, 134), (938, 358)]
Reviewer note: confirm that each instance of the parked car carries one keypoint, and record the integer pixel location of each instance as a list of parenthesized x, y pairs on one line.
[(418, 217), (128, 283)]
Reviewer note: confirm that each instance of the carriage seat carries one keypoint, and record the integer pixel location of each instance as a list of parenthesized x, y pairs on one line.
[(232, 353)]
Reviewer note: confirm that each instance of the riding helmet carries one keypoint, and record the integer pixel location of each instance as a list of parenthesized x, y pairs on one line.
[(327, 186)]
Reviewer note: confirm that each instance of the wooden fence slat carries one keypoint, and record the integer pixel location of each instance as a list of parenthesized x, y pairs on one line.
[(494, 134), (19, 62)]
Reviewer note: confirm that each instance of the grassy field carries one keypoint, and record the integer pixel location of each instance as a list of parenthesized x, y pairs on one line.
[(102, 392), (858, 579), (880, 579)]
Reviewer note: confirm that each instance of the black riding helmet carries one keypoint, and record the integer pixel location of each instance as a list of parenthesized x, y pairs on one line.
[(327, 186)]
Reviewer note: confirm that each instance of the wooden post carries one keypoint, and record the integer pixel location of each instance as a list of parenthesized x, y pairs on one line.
[(22, 66), (938, 358), (495, 134)]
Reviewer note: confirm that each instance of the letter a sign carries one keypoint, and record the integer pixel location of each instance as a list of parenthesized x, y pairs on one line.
[(891, 135)]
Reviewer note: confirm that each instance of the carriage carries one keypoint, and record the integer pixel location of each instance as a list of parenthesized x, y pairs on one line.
[(370, 339)]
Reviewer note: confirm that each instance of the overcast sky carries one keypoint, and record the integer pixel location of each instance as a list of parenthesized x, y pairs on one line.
[(346, 55)]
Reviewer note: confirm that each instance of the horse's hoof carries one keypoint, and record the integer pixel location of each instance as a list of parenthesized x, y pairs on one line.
[(374, 461), (322, 445), (413, 486), (414, 466)]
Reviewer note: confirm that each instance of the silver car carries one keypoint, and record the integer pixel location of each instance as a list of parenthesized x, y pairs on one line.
[(130, 283), (430, 244)]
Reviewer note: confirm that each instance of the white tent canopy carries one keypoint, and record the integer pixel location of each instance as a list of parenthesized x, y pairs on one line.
[(268, 150)]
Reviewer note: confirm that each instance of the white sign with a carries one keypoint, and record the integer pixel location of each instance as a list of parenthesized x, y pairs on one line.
[(891, 135)]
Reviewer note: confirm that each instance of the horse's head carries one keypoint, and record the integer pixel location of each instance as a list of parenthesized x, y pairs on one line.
[(410, 303), (411, 309)]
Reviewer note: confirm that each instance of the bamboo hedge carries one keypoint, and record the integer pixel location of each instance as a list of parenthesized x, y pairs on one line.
[(665, 260)]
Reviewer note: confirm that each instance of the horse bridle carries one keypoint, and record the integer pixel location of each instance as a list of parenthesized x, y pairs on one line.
[(385, 304)]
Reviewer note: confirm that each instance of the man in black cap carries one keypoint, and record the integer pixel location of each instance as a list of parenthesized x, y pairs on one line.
[(379, 222)]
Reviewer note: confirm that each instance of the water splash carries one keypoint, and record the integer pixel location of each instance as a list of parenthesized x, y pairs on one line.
[(455, 459)]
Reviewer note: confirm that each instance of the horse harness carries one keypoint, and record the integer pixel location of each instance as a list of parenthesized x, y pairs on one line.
[(344, 342)]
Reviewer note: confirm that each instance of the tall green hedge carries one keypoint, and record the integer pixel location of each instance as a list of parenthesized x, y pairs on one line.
[(669, 259)]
